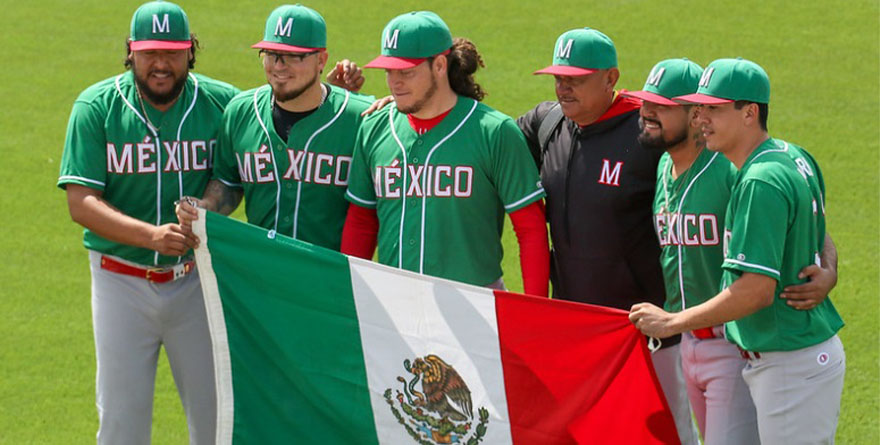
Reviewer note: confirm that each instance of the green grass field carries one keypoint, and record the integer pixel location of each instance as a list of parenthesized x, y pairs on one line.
[(822, 58)]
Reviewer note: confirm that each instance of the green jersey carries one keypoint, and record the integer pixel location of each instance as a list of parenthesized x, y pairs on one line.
[(688, 217), (775, 226), (440, 197), (294, 187), (140, 158)]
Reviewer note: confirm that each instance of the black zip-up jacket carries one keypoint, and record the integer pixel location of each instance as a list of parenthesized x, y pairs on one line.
[(600, 187)]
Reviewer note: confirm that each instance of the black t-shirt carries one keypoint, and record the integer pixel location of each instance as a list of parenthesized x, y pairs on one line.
[(284, 120)]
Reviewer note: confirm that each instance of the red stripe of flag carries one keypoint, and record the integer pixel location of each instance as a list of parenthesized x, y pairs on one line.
[(577, 373)]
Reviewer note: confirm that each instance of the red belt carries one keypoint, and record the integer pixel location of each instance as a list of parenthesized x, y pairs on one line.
[(705, 333), (153, 274)]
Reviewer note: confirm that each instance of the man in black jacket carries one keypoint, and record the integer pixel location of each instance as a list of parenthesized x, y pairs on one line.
[(600, 187)]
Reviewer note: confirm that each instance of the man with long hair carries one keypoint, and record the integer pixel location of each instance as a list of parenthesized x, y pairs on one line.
[(434, 174)]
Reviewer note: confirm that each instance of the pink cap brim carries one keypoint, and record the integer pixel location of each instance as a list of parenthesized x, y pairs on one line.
[(283, 47), (565, 70), (648, 96), (394, 63), (702, 99), (143, 45)]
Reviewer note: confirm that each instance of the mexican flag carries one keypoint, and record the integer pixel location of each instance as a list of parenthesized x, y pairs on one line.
[(314, 347)]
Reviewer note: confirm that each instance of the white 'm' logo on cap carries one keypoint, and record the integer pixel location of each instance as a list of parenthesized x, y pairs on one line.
[(391, 39), (704, 79), (564, 52), (162, 26), (655, 76), (283, 29)]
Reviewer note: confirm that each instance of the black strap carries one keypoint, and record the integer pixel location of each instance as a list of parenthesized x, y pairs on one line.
[(548, 125)]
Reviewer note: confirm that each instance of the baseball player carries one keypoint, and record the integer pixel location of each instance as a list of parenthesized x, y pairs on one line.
[(135, 143), (690, 203), (774, 226), (693, 185), (286, 146), (600, 183), (433, 175)]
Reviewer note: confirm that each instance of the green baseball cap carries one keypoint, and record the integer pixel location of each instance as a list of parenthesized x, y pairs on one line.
[(580, 52), (728, 80), (294, 28), (159, 25), (669, 78), (409, 39)]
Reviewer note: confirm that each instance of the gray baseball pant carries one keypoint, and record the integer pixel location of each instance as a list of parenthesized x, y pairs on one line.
[(667, 365), (797, 393), (718, 394), (132, 318)]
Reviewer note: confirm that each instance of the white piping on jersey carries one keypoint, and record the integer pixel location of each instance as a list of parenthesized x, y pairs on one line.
[(678, 214), (274, 230), (425, 185), (402, 195), (80, 178), (754, 266), (524, 199), (179, 130), (229, 184), (303, 165), (158, 157), (363, 201)]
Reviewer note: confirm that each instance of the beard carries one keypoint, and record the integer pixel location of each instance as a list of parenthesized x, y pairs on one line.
[(420, 103), (284, 96), (155, 97), (659, 142)]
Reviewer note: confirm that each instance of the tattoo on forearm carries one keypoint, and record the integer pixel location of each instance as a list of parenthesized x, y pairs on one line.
[(224, 199)]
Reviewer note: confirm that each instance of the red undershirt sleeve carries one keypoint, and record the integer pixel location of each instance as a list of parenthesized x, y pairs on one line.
[(359, 232), (530, 226)]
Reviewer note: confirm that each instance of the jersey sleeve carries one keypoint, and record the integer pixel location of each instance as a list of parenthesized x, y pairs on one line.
[(761, 215), (225, 167), (513, 171), (84, 161), (361, 189)]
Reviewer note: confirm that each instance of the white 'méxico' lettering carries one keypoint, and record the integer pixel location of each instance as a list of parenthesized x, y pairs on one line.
[(116, 163), (263, 166), (171, 149), (343, 167), (194, 148), (441, 181), (687, 229), (244, 167), (179, 156), (145, 152), (162, 26), (464, 176), (328, 178), (284, 28)]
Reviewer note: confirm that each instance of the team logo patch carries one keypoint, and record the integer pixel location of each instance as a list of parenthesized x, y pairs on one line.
[(741, 257), (823, 358), (442, 412)]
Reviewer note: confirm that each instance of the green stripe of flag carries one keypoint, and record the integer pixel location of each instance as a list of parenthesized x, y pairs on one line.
[(316, 338)]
